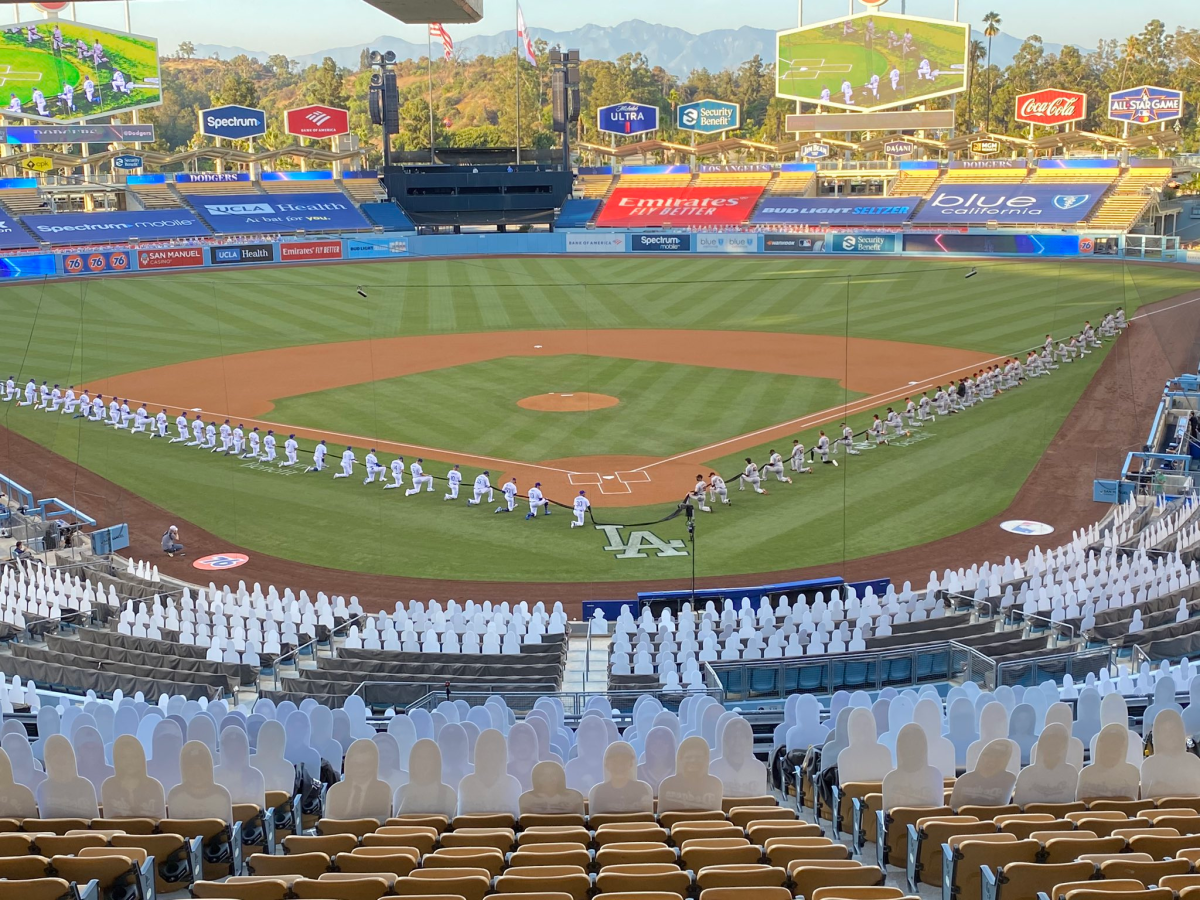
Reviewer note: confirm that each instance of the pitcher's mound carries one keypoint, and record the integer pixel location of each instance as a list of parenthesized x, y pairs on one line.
[(578, 402)]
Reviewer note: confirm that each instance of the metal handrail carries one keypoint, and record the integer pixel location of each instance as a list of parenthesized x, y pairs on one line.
[(574, 702), (293, 653)]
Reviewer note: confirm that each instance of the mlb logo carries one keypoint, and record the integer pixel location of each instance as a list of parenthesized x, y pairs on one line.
[(1071, 201)]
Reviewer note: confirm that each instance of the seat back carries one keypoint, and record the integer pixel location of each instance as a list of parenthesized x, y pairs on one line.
[(259, 889), (363, 888), (1023, 880), (735, 875), (306, 865)]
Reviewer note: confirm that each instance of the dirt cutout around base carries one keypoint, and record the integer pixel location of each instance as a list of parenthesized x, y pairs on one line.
[(580, 402)]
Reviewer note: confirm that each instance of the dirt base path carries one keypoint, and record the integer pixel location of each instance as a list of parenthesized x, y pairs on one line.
[(244, 387), (1110, 418)]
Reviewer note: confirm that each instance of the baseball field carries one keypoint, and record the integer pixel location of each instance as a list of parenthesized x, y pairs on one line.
[(622, 377)]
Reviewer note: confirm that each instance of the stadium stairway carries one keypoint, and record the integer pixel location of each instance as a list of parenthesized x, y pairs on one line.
[(1129, 199)]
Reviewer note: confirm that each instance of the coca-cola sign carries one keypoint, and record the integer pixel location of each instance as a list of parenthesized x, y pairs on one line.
[(1051, 106)]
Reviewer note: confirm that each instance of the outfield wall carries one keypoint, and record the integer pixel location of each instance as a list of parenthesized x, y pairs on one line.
[(966, 243)]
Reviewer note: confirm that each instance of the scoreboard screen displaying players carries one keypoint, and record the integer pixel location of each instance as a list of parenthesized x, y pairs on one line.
[(872, 61), (60, 71)]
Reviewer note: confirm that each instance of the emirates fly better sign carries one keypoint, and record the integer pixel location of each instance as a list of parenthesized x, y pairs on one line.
[(1051, 106), (679, 205)]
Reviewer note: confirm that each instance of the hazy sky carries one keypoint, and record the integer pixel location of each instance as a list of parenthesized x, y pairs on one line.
[(306, 26)]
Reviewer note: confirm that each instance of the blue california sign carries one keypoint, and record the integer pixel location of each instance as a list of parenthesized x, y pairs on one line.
[(233, 122), (627, 118), (709, 116)]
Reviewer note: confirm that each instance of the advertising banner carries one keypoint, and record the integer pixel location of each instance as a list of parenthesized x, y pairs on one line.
[(146, 225), (1145, 105), (831, 211), (1051, 107), (170, 258), (12, 235), (317, 121), (987, 164), (792, 243), (975, 244), (32, 265), (247, 253), (595, 242), (709, 116), (311, 251), (233, 122), (211, 177), (1080, 162), (1035, 204), (256, 213), (899, 148), (128, 161), (314, 175), (77, 134), (727, 243), (660, 243), (97, 262), (375, 247), (627, 118), (862, 243), (682, 205)]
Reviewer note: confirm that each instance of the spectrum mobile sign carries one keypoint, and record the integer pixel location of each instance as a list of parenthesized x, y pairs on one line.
[(1146, 105), (709, 116), (1051, 107), (679, 205), (233, 122)]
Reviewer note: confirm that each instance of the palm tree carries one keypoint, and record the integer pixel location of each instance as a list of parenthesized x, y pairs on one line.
[(1130, 51), (973, 59), (991, 23)]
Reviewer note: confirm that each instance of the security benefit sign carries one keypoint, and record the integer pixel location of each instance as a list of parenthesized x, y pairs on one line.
[(679, 205), (263, 213), (831, 211), (1025, 204), (709, 116)]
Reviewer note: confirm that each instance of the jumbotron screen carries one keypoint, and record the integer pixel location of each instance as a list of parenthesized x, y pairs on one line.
[(54, 70), (872, 61)]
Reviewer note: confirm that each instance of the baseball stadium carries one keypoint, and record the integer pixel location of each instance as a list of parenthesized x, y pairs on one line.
[(442, 471)]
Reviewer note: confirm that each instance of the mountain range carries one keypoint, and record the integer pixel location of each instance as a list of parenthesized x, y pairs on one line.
[(676, 50)]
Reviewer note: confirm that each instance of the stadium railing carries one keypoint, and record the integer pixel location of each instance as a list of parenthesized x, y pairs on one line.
[(574, 702)]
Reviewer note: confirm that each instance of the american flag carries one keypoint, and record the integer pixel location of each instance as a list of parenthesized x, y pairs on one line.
[(436, 30), (524, 44)]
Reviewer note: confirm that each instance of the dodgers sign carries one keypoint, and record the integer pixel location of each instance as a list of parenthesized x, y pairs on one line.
[(258, 213), (831, 211), (1145, 105), (709, 116), (627, 118), (233, 122), (1045, 204)]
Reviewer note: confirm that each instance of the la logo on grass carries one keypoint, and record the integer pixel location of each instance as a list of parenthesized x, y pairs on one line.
[(639, 542)]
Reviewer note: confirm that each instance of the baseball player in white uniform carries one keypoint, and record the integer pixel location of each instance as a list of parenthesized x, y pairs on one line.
[(10, 389), (319, 453), (453, 479), (775, 466), (239, 440), (822, 449), (43, 396), (878, 430), (923, 409), (226, 437), (85, 405), (580, 507), (98, 410), (750, 474), (114, 413), (181, 427), (30, 394), (846, 440), (798, 458), (210, 437), (126, 413), (510, 496), (374, 468), (290, 447), (69, 401), (419, 478), (397, 467), (717, 488), (537, 500), (140, 420), (160, 425), (483, 485), (197, 432), (348, 461), (700, 493), (55, 399), (255, 441), (896, 423), (910, 413)]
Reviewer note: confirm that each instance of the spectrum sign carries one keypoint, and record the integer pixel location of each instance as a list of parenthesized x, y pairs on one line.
[(679, 205), (1146, 105), (1051, 107)]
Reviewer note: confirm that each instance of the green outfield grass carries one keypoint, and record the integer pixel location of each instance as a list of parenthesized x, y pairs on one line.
[(664, 409), (886, 499)]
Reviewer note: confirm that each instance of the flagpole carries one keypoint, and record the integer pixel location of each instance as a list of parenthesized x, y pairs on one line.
[(429, 43), (517, 62)]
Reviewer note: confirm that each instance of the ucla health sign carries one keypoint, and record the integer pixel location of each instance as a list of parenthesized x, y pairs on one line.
[(233, 122), (1145, 105), (263, 213), (627, 118), (1026, 204), (709, 116), (858, 211)]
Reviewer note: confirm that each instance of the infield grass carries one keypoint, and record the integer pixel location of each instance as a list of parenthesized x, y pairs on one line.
[(884, 500)]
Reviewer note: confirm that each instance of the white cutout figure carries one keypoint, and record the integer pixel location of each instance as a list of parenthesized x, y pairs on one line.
[(360, 794), (990, 783), (245, 783), (20, 756), (1170, 771), (198, 796), (278, 773), (586, 770), (928, 714), (1109, 776), (550, 794), (166, 745), (130, 793), (89, 753), (1022, 730), (661, 748), (320, 720), (522, 754), (456, 760), (490, 789), (425, 792), (913, 782), (808, 730), (299, 750), (691, 787), (1050, 778), (404, 730), (48, 723), (993, 725), (389, 761), (865, 758), (1061, 713), (620, 792), (65, 794), (1114, 710), (16, 800), (740, 773)]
